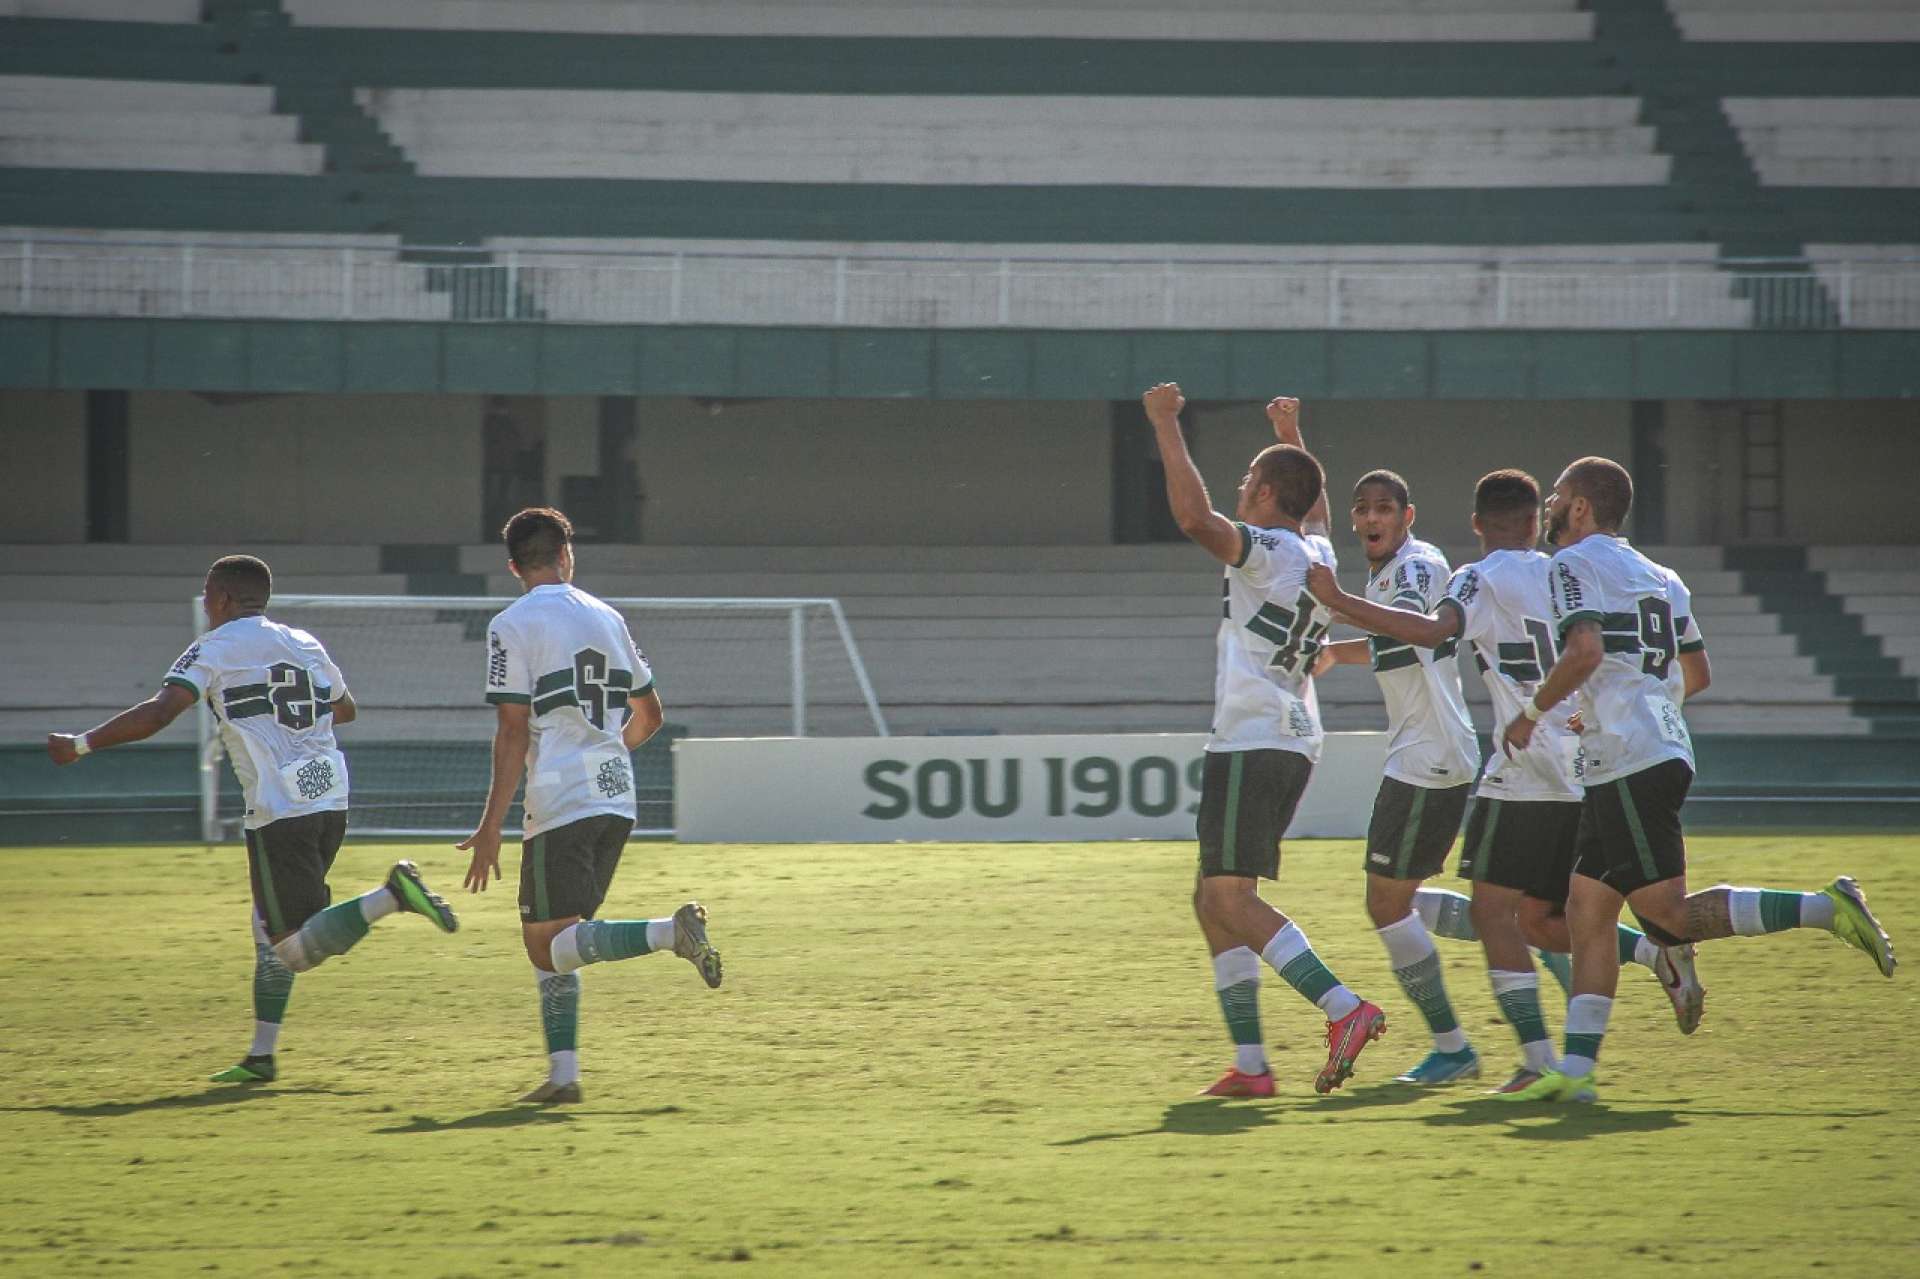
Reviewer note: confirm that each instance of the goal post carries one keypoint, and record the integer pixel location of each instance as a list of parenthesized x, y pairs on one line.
[(419, 753)]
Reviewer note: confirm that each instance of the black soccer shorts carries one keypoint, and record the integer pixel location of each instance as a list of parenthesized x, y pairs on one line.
[(288, 861), (1526, 845), (1630, 832), (1412, 828), (1247, 799)]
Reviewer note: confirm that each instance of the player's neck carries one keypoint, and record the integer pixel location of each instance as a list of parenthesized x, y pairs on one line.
[(532, 581), (1574, 539), (1489, 546)]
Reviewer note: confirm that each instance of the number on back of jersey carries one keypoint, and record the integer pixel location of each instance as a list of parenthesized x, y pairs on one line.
[(1296, 634)]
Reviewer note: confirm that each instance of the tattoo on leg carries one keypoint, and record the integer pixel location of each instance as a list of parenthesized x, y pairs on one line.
[(1709, 914)]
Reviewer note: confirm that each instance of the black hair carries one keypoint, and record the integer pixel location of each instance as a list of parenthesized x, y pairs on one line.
[(1294, 475), (246, 579), (536, 536), (1606, 486), (1391, 481)]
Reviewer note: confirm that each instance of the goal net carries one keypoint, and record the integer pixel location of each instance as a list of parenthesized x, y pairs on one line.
[(420, 753)]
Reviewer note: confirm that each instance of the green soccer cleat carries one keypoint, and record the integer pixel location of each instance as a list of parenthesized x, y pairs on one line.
[(404, 882), (1552, 1086), (552, 1094), (1855, 925), (1438, 1068), (691, 944), (251, 1070)]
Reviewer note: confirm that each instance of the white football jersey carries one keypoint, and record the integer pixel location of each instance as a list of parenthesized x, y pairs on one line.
[(271, 689), (573, 660), (1507, 619), (1271, 629), (1430, 739), (1646, 620)]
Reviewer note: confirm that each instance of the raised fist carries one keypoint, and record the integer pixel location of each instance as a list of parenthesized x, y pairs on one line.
[(1283, 410), (1164, 401), (1323, 585)]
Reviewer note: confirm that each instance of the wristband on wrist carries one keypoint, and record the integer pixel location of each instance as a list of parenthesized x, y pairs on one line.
[(81, 746), (1532, 710)]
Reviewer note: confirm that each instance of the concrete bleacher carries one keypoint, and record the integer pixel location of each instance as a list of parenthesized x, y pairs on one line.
[(60, 122), (988, 139), (1009, 639), (169, 11), (1357, 20), (1849, 21), (1837, 142)]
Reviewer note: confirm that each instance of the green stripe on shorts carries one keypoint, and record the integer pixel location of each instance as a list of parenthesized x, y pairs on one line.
[(537, 849), (1410, 834), (1483, 852), (1230, 835), (1647, 867), (255, 846)]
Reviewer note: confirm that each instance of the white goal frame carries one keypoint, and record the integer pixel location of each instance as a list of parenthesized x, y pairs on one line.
[(210, 752)]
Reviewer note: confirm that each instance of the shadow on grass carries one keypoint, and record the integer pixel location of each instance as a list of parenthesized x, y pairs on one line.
[(516, 1116), (1547, 1121), (1202, 1117), (225, 1095)]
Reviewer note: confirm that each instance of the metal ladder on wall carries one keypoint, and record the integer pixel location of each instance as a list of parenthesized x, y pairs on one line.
[(1762, 471)]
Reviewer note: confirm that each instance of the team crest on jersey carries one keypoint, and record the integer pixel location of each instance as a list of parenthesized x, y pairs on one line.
[(186, 660), (496, 661), (613, 780), (314, 778), (1466, 586)]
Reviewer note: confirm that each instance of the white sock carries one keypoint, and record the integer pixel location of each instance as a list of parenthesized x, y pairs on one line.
[(660, 935), (565, 950), (265, 1035), (1232, 968), (377, 905), (1536, 1054), (1743, 905), (1408, 944), (563, 1067), (1644, 951), (1288, 945), (1586, 1015)]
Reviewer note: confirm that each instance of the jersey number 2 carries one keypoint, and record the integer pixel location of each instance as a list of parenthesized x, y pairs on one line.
[(292, 696)]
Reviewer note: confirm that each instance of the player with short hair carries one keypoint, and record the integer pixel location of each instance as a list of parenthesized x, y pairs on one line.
[(1623, 622), (1518, 850), (1266, 734), (276, 696), (572, 698), (1432, 756)]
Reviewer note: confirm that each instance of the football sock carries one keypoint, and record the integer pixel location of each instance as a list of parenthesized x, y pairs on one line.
[(1236, 980), (1635, 946), (333, 931), (560, 1020), (1586, 1027), (272, 988), (1446, 914), (378, 904), (1767, 910), (1518, 995), (1417, 967), (598, 941), (1559, 964), (1289, 955)]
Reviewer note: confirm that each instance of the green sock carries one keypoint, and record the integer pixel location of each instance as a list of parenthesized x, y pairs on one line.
[(272, 985), (1629, 939), (560, 1010), (1518, 995), (333, 931), (1423, 984), (1446, 914), (601, 940), (1559, 965)]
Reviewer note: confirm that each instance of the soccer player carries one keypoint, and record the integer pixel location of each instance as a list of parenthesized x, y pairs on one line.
[(1432, 756), (1623, 622), (572, 698), (1518, 851), (276, 696), (1266, 735)]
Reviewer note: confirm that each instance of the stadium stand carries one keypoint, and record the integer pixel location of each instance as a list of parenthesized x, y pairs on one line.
[(1794, 20), (58, 122)]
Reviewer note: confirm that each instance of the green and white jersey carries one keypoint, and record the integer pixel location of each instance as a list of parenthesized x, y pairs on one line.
[(1271, 629), (271, 689), (573, 660), (1646, 620), (1506, 618), (1430, 739)]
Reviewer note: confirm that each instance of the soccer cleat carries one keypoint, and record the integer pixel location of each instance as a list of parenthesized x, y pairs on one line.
[(1553, 1086), (1438, 1068), (691, 944), (404, 882), (251, 1070), (1237, 1083), (1345, 1039), (1673, 965), (552, 1094), (1522, 1080), (1855, 925)]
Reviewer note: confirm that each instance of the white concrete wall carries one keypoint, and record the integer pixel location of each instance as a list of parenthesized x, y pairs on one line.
[(43, 455), (852, 472), (1441, 447), (306, 468)]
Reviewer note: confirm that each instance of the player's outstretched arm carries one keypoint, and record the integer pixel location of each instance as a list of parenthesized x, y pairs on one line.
[(643, 721), (135, 724), (1697, 671), (1580, 656), (344, 709), (1284, 412), (1186, 491), (512, 730), (1428, 630)]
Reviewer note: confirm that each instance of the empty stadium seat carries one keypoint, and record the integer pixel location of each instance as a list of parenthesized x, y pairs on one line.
[(1839, 142), (174, 11), (59, 122)]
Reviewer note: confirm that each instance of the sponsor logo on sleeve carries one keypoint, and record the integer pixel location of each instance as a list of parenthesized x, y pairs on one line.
[(1569, 597), (1422, 576), (185, 661), (1466, 585), (314, 778), (496, 661)]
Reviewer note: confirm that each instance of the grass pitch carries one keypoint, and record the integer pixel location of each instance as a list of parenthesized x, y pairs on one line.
[(973, 1057)]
